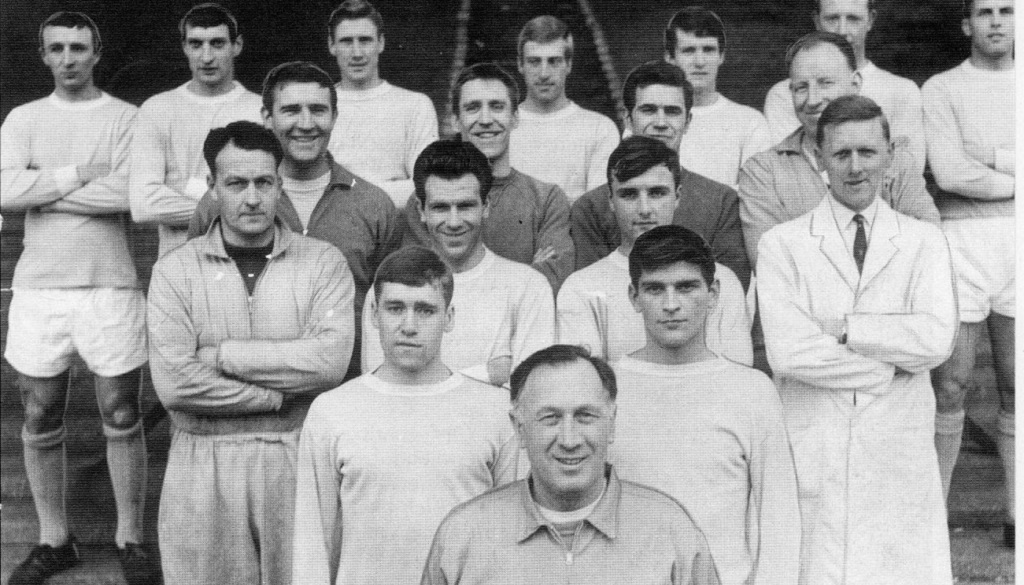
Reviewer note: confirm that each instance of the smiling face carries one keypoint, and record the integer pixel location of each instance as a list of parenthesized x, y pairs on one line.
[(849, 18), (855, 155), (699, 58), (453, 212), (660, 113), (247, 187), (357, 46), (817, 76), (565, 420), (545, 69), (674, 301), (71, 57), (211, 57), (486, 117), (302, 120), (991, 28), (412, 321), (644, 202)]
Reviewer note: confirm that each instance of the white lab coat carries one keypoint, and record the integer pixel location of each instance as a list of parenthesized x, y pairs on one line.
[(861, 415)]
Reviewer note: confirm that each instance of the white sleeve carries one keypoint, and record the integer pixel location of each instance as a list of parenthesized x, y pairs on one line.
[(533, 319), (606, 138), (583, 317), (728, 324), (152, 199), (317, 506), (908, 122), (372, 352), (22, 187)]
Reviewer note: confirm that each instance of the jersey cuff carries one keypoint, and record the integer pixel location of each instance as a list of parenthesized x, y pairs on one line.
[(1005, 161)]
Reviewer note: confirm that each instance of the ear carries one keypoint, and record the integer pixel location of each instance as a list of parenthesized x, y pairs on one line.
[(519, 65), (421, 205), (236, 47), (871, 19), (611, 432), (449, 319), (858, 80), (820, 156), (689, 118), (965, 25), (210, 181), (266, 118), (816, 19), (714, 289), (513, 417), (487, 209), (670, 58), (331, 47), (374, 311), (514, 122), (381, 37), (634, 296), (721, 58)]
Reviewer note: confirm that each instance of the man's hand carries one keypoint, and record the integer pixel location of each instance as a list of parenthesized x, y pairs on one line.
[(91, 172), (544, 254)]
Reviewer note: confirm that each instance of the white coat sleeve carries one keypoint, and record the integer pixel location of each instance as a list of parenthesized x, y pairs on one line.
[(317, 506), (796, 344)]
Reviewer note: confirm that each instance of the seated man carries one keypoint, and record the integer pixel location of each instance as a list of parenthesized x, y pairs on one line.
[(527, 221), (659, 98), (722, 451), (505, 309), (787, 181), (572, 520), (593, 305), (858, 305), (386, 456), (247, 324)]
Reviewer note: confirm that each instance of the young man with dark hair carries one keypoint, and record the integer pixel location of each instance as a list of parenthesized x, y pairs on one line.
[(320, 198), (722, 134), (572, 519), (787, 181), (168, 173), (386, 456), (557, 141), (381, 128), (969, 122), (658, 99), (64, 162), (899, 97), (722, 452), (247, 323), (858, 304), (593, 305), (505, 309), (528, 220)]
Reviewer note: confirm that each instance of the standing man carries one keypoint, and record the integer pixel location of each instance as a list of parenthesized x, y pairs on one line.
[(386, 456), (786, 181), (64, 162), (321, 198), (722, 451), (899, 97), (594, 308), (572, 520), (969, 120), (168, 173), (505, 310), (528, 221), (381, 128), (722, 134), (659, 99), (858, 304), (557, 141), (247, 324)]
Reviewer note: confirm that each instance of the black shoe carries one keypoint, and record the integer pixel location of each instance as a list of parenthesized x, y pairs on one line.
[(138, 565), (1009, 536), (45, 560)]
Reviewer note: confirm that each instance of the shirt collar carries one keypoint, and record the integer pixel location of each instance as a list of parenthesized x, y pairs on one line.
[(844, 215), (340, 176), (214, 244), (792, 144), (604, 518)]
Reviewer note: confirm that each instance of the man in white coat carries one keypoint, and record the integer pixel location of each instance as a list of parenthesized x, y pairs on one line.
[(858, 305)]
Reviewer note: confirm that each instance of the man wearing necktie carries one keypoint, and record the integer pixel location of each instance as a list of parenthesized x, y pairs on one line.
[(858, 305)]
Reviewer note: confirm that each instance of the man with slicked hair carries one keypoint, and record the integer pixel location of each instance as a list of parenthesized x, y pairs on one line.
[(64, 162), (168, 172), (572, 519), (386, 456), (248, 323), (556, 140), (898, 97)]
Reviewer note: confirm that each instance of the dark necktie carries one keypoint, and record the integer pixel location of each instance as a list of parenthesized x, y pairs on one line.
[(860, 243)]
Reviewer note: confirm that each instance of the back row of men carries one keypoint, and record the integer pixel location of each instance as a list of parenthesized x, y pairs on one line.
[(218, 353)]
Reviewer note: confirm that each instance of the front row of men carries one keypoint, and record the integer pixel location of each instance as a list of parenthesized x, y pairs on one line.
[(858, 305)]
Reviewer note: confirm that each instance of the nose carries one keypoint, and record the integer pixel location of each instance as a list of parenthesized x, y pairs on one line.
[(207, 54), (305, 120), (251, 197), (643, 205), (569, 437), (409, 322), (856, 164), (486, 117), (454, 219), (672, 301), (661, 119), (815, 95)]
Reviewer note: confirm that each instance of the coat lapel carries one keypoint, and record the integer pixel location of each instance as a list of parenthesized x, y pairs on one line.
[(830, 242), (882, 247)]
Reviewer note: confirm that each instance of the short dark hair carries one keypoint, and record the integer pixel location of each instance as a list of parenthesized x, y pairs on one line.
[(485, 71), (415, 266), (655, 73), (636, 155), (73, 20), (296, 72), (666, 245), (243, 134), (850, 108), (449, 160), (699, 22), (545, 29), (816, 38), (354, 10), (561, 354), (209, 15)]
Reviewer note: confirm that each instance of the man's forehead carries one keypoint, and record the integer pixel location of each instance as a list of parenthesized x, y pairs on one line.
[(822, 58), (462, 189), (670, 274), (990, 5), (204, 33), (396, 292), (686, 38), (843, 7), (355, 27), (67, 34), (853, 134), (660, 94), (657, 176), (301, 92), (554, 48), (564, 386), (484, 89), (235, 161)]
